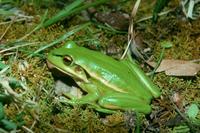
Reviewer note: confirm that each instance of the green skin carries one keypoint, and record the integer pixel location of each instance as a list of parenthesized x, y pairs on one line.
[(110, 84)]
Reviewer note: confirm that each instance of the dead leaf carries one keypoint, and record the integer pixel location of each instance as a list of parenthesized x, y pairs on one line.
[(178, 67)]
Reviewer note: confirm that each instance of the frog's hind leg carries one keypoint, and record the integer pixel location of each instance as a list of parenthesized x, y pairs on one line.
[(119, 101), (142, 78), (101, 109)]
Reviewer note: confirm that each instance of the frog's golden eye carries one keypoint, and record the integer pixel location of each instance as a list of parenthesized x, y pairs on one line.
[(67, 60)]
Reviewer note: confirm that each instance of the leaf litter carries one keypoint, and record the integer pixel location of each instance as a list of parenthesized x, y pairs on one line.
[(174, 67)]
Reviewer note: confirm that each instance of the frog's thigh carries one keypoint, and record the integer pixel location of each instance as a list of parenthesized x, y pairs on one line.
[(91, 96), (124, 102)]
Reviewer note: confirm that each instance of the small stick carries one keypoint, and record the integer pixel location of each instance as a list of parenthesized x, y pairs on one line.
[(7, 28)]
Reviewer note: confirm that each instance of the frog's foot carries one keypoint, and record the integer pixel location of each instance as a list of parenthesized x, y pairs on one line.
[(90, 105), (124, 102)]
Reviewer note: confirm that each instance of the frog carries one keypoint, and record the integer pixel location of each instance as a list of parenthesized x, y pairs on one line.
[(110, 85)]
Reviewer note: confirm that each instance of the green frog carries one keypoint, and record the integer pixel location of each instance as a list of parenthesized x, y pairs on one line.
[(110, 84)]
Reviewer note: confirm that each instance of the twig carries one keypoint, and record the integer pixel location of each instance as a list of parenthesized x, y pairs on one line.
[(33, 125), (181, 114), (19, 46), (8, 22), (4, 69), (36, 28), (5, 83), (149, 17), (130, 29), (27, 129), (7, 28)]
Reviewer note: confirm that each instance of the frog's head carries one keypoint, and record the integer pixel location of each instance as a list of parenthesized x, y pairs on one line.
[(63, 60)]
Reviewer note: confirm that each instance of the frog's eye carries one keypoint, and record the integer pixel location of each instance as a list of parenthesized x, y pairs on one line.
[(67, 60)]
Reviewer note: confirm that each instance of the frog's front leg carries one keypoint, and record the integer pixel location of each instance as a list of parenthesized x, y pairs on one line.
[(117, 101), (91, 96)]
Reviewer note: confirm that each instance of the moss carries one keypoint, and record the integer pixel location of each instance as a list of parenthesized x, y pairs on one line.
[(48, 115)]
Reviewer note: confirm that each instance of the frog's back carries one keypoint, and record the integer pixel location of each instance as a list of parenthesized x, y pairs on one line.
[(111, 72)]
